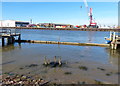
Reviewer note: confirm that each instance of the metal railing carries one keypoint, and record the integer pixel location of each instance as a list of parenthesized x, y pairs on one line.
[(8, 31), (5, 31)]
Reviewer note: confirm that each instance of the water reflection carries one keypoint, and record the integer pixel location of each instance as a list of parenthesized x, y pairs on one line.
[(72, 53), (91, 36), (65, 36), (114, 56), (11, 47), (105, 55)]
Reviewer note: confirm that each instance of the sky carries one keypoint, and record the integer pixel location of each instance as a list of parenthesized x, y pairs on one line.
[(75, 13), (119, 14), (58, 0), (0, 11)]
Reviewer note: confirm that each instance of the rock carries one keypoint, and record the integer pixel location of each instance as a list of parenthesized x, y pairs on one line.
[(8, 77), (108, 74), (101, 68), (98, 82), (31, 65), (21, 80), (83, 82), (21, 68), (67, 73)]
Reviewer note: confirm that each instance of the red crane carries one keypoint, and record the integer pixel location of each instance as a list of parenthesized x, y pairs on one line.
[(92, 24)]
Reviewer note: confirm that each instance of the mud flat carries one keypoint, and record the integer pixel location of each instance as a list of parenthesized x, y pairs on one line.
[(84, 72), (83, 64)]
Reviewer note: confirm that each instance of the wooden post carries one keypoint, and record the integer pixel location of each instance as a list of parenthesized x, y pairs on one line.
[(111, 36), (19, 38), (3, 42), (9, 40), (114, 45), (114, 37), (13, 39)]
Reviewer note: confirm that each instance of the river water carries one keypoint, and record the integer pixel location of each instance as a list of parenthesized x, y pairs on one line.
[(100, 54), (25, 53)]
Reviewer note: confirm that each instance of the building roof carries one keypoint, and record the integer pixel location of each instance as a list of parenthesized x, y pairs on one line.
[(55, 23), (14, 20)]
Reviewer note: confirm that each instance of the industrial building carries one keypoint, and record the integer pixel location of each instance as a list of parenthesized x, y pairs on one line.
[(13, 23), (53, 25)]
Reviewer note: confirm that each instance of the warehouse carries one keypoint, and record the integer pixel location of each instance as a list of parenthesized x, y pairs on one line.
[(13, 23), (55, 25)]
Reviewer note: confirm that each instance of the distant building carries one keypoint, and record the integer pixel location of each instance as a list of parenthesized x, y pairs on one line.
[(56, 25), (63, 26), (13, 23)]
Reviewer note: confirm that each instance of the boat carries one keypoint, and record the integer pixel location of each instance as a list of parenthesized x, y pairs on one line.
[(108, 41)]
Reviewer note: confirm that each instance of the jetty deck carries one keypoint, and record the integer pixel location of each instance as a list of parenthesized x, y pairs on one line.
[(9, 35)]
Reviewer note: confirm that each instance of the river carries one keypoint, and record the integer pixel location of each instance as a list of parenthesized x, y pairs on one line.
[(25, 53)]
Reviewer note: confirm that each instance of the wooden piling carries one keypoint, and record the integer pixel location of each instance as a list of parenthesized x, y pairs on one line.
[(19, 38), (111, 36), (9, 40), (115, 41), (3, 41), (9, 36), (13, 39)]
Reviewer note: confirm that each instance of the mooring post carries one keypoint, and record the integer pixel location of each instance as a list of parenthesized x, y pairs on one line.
[(3, 41), (114, 45), (10, 41), (111, 36), (114, 37), (19, 38), (13, 39)]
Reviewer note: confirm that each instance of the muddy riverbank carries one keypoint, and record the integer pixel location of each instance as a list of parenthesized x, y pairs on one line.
[(83, 63)]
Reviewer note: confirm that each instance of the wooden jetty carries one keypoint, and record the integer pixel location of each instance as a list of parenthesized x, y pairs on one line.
[(115, 40), (9, 35), (72, 29)]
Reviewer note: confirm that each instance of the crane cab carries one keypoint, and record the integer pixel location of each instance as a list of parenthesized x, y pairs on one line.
[(93, 25)]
